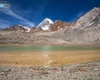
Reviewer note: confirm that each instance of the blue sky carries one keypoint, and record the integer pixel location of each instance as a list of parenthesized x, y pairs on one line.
[(32, 12)]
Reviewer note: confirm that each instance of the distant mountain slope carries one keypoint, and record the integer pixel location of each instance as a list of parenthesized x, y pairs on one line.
[(18, 28), (86, 30), (90, 19)]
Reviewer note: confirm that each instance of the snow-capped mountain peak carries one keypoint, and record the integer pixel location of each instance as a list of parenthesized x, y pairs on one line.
[(47, 19), (45, 24)]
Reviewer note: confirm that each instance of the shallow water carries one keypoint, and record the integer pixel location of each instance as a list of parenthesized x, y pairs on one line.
[(47, 55), (47, 48)]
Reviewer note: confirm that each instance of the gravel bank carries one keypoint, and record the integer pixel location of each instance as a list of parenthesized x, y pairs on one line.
[(86, 71)]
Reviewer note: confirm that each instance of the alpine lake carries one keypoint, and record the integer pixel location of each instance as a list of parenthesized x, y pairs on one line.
[(47, 55)]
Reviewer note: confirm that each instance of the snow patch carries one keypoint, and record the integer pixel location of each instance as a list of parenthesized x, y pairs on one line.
[(45, 28), (27, 29), (90, 24), (98, 24), (74, 27)]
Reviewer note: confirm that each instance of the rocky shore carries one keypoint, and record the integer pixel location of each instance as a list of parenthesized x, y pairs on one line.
[(85, 71)]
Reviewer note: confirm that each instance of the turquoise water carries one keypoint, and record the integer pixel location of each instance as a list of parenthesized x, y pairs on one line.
[(46, 48)]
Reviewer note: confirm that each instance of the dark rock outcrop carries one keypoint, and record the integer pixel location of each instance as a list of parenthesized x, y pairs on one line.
[(35, 30), (59, 25)]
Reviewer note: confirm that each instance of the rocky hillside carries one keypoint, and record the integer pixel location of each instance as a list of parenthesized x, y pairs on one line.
[(18, 27), (90, 19), (86, 30), (59, 25), (35, 30)]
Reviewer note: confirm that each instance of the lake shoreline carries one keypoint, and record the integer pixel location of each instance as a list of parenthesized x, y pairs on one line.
[(19, 65), (51, 45)]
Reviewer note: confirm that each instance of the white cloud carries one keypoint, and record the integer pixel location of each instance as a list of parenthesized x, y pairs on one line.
[(1, 20), (28, 23), (11, 13), (3, 25), (80, 14)]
